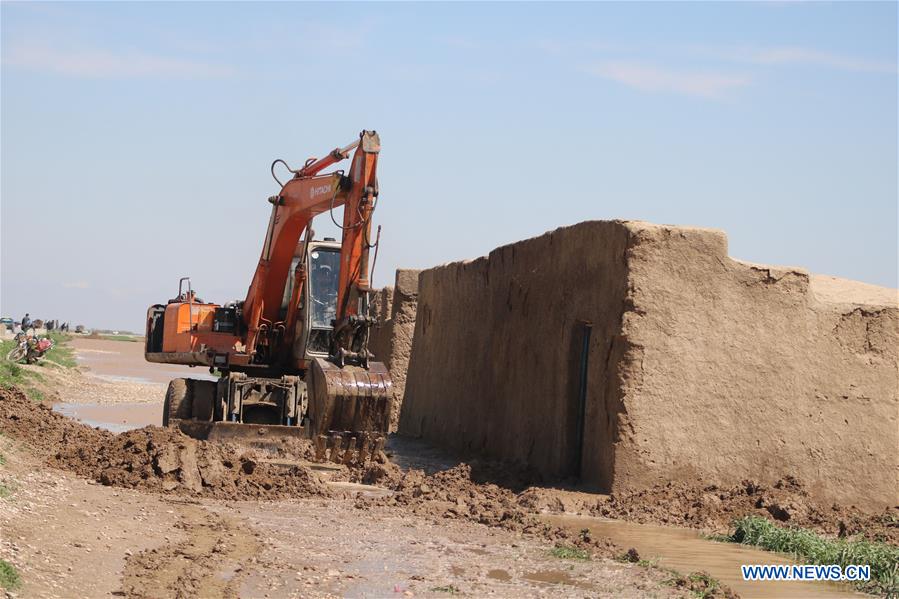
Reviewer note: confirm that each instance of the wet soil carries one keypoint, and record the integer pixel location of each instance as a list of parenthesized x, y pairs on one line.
[(713, 508), (70, 536), (209, 562), (115, 418), (684, 549), (166, 461)]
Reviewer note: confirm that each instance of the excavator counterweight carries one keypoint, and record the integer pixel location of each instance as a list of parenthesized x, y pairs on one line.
[(292, 358)]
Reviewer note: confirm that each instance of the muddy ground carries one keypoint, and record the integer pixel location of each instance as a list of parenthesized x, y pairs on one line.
[(152, 513), (90, 512)]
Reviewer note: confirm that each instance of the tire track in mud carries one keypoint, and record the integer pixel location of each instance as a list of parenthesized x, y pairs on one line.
[(211, 562)]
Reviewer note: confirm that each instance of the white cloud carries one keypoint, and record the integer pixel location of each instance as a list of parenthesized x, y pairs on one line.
[(76, 285), (82, 61), (462, 42), (792, 55), (568, 46), (646, 77)]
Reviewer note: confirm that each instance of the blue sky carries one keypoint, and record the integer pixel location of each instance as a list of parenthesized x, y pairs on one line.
[(136, 138)]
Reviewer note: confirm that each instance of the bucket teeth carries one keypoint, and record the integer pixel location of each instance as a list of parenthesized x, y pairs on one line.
[(336, 445), (321, 446), (350, 451), (365, 441), (348, 448)]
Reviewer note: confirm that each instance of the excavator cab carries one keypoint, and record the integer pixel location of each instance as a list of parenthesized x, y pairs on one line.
[(317, 307)]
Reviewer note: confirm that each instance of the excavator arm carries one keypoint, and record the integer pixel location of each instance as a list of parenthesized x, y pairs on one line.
[(305, 196)]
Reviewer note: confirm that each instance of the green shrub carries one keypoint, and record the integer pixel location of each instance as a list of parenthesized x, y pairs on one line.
[(565, 552), (9, 576)]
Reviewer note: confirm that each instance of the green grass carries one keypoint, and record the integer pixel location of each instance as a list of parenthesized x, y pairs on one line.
[(707, 585), (5, 346), (61, 353), (447, 589), (6, 490), (812, 548), (9, 576), (134, 338), (13, 375), (566, 552), (711, 585)]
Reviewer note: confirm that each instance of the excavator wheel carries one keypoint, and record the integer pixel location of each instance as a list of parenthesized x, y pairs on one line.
[(349, 411), (203, 395), (178, 402)]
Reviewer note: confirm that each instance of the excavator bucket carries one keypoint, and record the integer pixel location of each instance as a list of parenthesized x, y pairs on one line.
[(349, 411)]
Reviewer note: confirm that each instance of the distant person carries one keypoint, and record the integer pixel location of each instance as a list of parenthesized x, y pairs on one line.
[(26, 322)]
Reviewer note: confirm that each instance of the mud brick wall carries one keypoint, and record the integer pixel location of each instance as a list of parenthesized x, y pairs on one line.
[(494, 366), (391, 339), (697, 366)]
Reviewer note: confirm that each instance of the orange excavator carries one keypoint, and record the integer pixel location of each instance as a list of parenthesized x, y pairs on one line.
[(292, 358)]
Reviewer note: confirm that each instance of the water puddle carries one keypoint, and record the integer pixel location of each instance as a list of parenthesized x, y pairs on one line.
[(498, 575), (120, 361), (116, 418), (556, 577), (685, 551), (112, 378)]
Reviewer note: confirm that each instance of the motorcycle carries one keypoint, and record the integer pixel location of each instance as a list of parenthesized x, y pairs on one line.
[(29, 349)]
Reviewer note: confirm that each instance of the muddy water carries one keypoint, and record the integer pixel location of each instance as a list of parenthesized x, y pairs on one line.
[(685, 551), (113, 417), (124, 361)]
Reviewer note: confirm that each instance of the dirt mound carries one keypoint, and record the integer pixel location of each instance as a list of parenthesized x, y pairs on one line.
[(158, 459), (152, 458), (36, 425)]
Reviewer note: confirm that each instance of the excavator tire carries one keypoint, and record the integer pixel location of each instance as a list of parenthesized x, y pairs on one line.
[(203, 395), (178, 402)]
